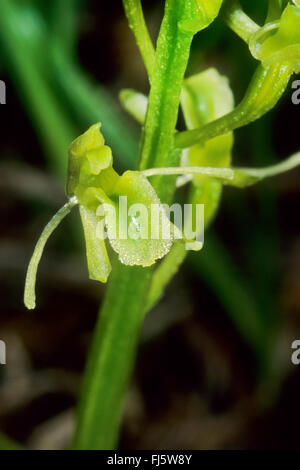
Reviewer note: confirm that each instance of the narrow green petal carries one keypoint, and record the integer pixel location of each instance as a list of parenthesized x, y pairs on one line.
[(29, 293), (98, 262)]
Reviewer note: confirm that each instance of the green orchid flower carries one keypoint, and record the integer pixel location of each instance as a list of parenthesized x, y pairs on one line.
[(279, 41), (206, 97), (116, 207)]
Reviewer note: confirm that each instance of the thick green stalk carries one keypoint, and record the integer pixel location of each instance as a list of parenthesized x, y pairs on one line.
[(111, 359), (172, 55), (114, 344)]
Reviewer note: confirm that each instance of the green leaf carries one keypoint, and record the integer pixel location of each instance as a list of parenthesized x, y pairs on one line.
[(91, 102), (22, 29)]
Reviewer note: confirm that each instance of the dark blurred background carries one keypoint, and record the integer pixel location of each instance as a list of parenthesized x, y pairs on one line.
[(214, 367)]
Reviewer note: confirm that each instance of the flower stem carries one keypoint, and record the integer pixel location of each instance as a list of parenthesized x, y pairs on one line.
[(111, 359), (114, 344), (220, 173), (137, 24), (234, 16)]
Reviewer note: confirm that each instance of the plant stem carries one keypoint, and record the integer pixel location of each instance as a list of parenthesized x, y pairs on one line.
[(111, 359), (221, 173), (172, 55), (114, 344), (234, 16), (137, 24)]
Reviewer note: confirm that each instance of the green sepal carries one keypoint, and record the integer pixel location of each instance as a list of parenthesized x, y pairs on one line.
[(205, 97), (97, 258), (205, 13), (88, 156), (279, 42)]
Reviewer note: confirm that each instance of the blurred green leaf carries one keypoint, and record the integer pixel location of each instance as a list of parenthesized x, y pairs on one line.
[(6, 443)]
